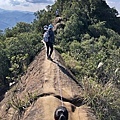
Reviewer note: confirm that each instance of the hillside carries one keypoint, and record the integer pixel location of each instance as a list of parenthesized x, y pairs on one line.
[(37, 94), (9, 19), (87, 36)]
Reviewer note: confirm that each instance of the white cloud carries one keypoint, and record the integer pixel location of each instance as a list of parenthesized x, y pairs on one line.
[(39, 1), (25, 5)]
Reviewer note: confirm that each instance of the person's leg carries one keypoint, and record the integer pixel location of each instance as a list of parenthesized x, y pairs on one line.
[(51, 49), (47, 46)]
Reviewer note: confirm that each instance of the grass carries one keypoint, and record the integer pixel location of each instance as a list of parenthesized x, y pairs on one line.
[(20, 105), (104, 100)]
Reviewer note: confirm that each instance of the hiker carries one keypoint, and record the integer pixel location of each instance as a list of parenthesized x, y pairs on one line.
[(57, 13), (61, 113), (49, 40)]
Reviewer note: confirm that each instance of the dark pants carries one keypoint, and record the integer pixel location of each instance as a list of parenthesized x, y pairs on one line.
[(49, 46)]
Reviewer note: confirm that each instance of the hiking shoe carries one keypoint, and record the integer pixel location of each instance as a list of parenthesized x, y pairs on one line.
[(49, 58)]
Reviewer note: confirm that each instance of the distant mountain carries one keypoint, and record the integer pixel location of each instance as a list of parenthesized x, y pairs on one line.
[(8, 18)]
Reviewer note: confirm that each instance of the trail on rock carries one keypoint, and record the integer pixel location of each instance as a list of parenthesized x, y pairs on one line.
[(48, 84)]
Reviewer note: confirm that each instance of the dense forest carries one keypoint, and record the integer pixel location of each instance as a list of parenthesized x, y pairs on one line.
[(88, 39)]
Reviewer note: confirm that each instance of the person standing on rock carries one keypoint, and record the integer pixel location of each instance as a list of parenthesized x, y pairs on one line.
[(51, 40), (48, 39), (61, 113)]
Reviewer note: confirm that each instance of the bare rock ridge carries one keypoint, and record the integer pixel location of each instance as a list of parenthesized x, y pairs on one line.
[(45, 86)]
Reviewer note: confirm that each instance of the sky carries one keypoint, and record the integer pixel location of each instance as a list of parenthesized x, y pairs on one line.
[(35, 5), (25, 5)]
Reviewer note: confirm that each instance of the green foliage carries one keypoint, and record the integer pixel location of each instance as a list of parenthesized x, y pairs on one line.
[(73, 28), (2, 37), (20, 105), (105, 106), (43, 18), (97, 29), (72, 64), (21, 51), (4, 64), (8, 32), (20, 27)]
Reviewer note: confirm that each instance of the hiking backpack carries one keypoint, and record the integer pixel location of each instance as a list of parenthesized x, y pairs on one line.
[(45, 36)]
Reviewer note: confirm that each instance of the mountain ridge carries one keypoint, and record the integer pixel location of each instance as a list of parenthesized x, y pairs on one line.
[(38, 92), (9, 18)]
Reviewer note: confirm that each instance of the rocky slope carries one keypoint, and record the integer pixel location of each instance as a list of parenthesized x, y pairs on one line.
[(45, 86)]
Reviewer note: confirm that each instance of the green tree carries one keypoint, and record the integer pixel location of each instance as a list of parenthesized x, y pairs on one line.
[(73, 28), (4, 65)]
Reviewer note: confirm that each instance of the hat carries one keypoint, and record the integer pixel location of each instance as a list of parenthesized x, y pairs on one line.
[(45, 27), (50, 26)]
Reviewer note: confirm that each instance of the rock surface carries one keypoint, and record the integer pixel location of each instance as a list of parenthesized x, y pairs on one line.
[(45, 86)]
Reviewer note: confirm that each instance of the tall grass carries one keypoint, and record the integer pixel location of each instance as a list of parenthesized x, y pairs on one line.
[(20, 105), (104, 100)]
